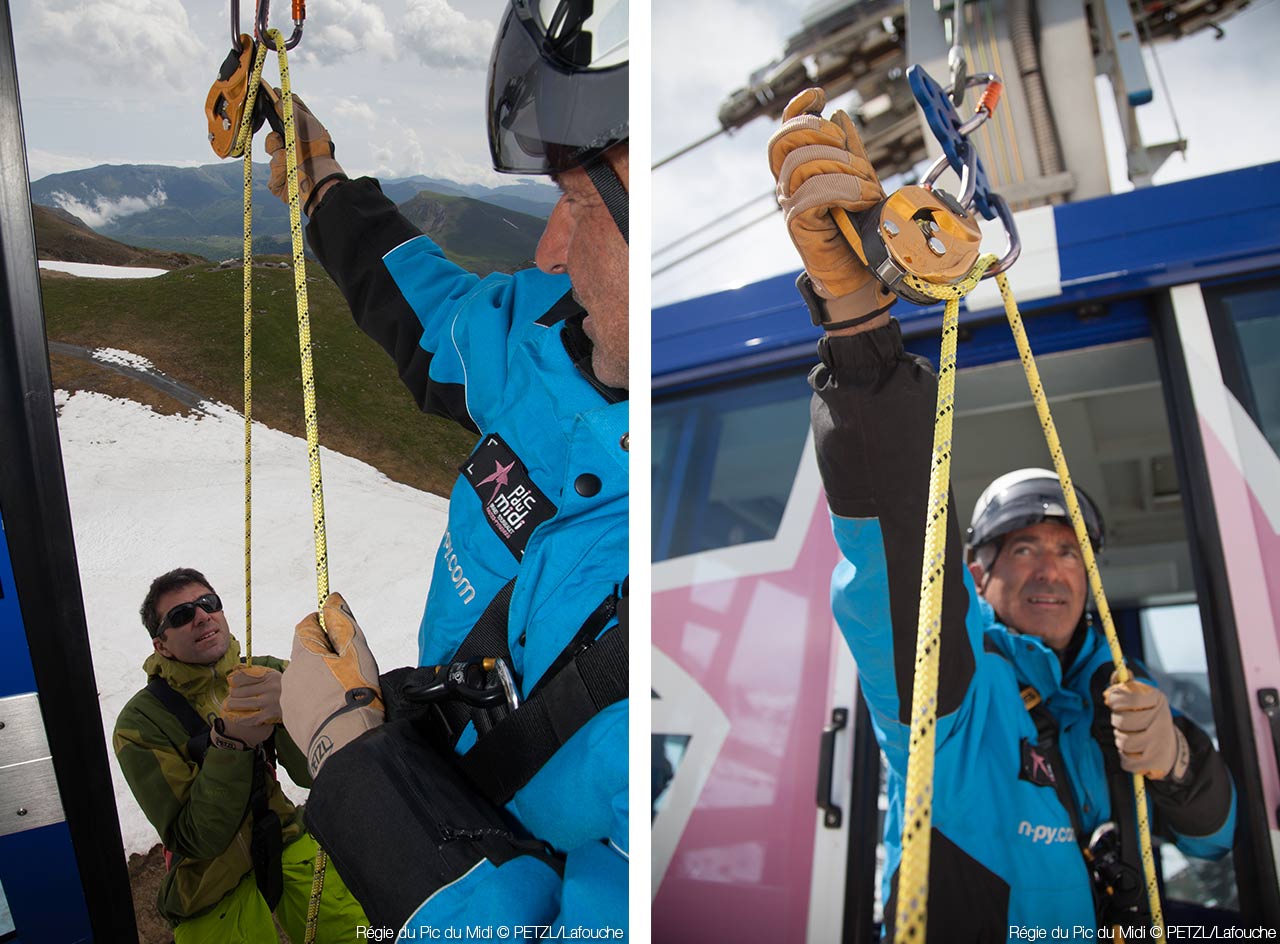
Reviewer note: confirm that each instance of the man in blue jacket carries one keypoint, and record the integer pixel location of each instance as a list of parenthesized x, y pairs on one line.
[(1034, 745), (489, 788)]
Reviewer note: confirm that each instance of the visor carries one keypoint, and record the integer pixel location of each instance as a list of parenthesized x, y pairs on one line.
[(557, 85)]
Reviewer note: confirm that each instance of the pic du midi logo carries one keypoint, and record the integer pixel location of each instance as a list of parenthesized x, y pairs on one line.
[(512, 504)]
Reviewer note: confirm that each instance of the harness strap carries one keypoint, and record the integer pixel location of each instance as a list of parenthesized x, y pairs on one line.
[(487, 638), (180, 708), (266, 843), (1047, 741), (506, 758)]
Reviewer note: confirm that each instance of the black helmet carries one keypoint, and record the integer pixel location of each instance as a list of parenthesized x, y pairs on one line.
[(557, 95), (557, 84), (1026, 497)]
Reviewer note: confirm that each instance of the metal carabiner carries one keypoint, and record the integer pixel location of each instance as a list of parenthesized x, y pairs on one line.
[(261, 24), (960, 154)]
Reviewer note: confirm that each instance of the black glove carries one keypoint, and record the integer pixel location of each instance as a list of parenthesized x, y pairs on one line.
[(401, 822)]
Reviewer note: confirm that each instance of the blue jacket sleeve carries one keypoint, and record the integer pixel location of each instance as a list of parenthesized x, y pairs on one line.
[(448, 331), (872, 413)]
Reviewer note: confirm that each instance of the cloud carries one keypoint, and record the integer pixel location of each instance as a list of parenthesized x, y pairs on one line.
[(353, 108), (404, 156), (120, 42), (443, 37), (99, 211), (337, 30)]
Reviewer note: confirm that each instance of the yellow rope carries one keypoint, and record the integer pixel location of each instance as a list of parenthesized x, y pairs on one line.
[(1091, 568), (913, 872), (913, 875), (244, 140)]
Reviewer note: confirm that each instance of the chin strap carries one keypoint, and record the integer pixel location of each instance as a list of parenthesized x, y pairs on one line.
[(611, 190)]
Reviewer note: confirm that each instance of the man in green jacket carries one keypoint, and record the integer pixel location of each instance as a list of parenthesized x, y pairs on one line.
[(198, 748)]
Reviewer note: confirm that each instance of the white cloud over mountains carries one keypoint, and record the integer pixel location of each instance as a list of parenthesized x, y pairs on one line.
[(98, 211), (120, 42)]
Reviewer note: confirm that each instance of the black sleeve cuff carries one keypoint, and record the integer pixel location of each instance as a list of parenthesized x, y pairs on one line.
[(1199, 805)]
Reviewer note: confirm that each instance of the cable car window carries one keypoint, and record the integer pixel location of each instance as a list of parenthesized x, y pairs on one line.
[(724, 461), (1246, 326), (1173, 649)]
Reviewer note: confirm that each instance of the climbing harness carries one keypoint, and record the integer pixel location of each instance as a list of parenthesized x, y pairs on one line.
[(233, 104), (922, 243)]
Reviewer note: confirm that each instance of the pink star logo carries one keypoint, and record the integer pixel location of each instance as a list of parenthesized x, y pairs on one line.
[(498, 478), (1040, 767)]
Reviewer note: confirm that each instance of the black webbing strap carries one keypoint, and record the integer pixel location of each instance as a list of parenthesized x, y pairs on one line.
[(266, 843), (196, 727), (507, 757), (488, 637), (612, 192), (1047, 741)]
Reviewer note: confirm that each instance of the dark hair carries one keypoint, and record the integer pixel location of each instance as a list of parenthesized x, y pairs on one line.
[(175, 579)]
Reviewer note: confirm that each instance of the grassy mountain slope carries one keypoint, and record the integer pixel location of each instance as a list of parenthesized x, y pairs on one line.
[(473, 233), (61, 236), (189, 323)]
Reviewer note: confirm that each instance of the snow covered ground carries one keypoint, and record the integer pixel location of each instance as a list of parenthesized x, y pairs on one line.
[(149, 493), (94, 271)]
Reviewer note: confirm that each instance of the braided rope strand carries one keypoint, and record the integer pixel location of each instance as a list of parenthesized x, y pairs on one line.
[(913, 871), (244, 142), (913, 874), (309, 409), (1091, 568)]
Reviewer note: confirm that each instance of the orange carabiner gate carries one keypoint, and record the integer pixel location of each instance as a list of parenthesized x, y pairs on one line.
[(261, 24)]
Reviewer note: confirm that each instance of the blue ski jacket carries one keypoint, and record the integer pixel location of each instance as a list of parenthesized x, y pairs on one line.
[(543, 497), (1004, 853)]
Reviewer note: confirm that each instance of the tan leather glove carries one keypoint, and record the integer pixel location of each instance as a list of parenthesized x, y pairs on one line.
[(254, 691), (1146, 737), (315, 148), (331, 694), (240, 734), (820, 164)]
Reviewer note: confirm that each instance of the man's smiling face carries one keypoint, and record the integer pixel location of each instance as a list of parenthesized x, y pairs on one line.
[(1037, 583), (199, 642)]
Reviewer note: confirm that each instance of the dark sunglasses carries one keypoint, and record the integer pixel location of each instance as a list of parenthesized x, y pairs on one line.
[(184, 613)]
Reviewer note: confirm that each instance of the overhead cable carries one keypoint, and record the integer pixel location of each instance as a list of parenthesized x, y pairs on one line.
[(706, 226), (715, 242)]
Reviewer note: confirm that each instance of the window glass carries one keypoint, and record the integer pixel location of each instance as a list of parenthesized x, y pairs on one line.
[(6, 918), (1173, 648), (724, 461), (1246, 322)]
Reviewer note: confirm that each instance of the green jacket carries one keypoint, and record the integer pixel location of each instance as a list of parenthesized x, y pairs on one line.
[(201, 812)]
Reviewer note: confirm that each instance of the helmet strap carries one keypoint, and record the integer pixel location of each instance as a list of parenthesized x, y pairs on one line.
[(609, 185)]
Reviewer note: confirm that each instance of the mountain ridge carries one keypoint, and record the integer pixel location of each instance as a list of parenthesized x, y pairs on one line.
[(199, 211)]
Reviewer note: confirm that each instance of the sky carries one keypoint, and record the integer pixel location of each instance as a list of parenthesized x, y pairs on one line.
[(133, 474), (399, 83), (1217, 87)]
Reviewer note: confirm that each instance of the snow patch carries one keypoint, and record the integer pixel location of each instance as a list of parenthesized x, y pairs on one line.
[(112, 355), (92, 270)]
